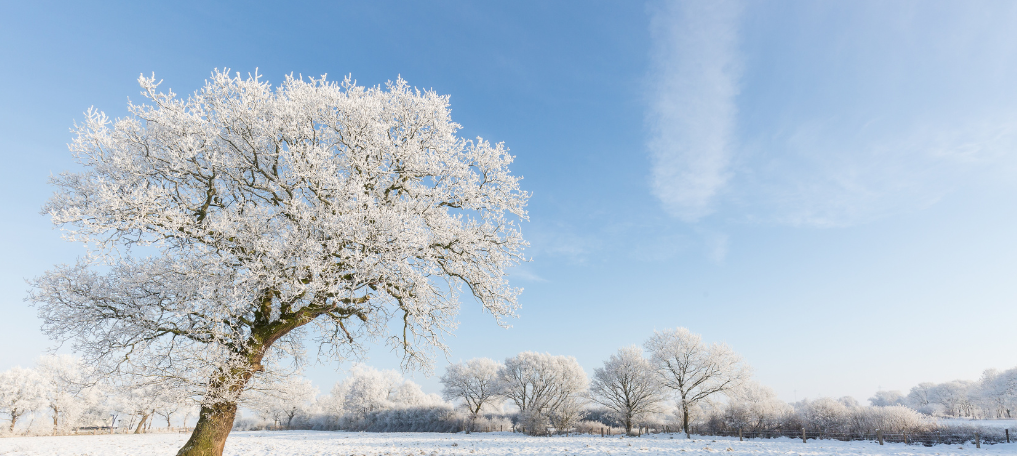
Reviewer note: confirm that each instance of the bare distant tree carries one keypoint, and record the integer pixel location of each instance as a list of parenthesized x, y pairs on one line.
[(475, 382), (692, 369), (628, 386)]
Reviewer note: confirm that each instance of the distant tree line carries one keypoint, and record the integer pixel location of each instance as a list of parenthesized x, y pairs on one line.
[(994, 395), (674, 382)]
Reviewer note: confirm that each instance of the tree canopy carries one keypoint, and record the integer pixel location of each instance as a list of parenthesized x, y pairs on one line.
[(221, 225)]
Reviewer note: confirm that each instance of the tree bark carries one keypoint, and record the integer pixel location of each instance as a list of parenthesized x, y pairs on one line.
[(141, 425), (685, 419), (216, 420), (56, 415), (209, 437)]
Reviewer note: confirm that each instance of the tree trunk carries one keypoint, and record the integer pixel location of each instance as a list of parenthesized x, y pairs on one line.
[(216, 419), (209, 437), (685, 419), (141, 425), (56, 416)]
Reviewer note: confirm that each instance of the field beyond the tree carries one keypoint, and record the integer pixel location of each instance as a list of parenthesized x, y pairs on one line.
[(322, 443)]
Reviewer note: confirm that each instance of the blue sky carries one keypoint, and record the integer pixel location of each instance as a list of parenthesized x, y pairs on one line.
[(828, 187)]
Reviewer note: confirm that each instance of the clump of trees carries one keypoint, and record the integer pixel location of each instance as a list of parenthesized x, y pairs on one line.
[(61, 395), (994, 395)]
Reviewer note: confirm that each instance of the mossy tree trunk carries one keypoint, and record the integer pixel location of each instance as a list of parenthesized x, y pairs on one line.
[(215, 421)]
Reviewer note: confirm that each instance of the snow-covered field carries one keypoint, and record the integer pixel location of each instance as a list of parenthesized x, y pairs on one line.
[(311, 443)]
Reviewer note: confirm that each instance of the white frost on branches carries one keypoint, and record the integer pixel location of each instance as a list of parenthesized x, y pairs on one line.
[(548, 390), (367, 390), (217, 226), (474, 382), (629, 386), (693, 370)]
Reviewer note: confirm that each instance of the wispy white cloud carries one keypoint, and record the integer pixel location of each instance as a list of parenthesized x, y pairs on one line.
[(692, 87), (822, 178)]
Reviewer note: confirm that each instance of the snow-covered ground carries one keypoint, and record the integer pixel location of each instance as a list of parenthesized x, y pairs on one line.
[(311, 443)]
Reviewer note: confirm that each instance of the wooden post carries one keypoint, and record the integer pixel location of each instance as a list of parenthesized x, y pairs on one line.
[(905, 438), (601, 432), (1007, 435), (879, 435), (804, 440), (739, 434), (978, 440)]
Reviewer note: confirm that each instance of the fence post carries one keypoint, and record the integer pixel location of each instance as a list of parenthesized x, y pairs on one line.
[(978, 440), (803, 436), (1007, 435), (739, 434), (879, 435), (905, 438)]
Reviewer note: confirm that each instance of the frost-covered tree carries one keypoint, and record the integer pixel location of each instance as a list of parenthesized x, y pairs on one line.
[(824, 414), (628, 386), (220, 226), (997, 392), (474, 382), (172, 403), (282, 400), (954, 396), (920, 397), (20, 393), (63, 388), (548, 390), (692, 369), (849, 402), (887, 398), (755, 407), (368, 390)]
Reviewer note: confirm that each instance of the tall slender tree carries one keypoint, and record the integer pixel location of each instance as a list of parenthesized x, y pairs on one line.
[(220, 226)]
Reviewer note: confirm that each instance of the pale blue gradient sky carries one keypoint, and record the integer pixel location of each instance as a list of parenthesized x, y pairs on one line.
[(828, 187)]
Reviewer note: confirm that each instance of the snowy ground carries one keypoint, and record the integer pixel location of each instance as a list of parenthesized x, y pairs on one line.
[(311, 443)]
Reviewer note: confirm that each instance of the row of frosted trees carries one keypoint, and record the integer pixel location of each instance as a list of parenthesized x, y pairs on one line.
[(992, 396), (674, 381), (544, 393), (553, 392), (58, 396)]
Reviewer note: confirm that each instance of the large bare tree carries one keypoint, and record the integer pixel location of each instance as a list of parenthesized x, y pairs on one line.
[(628, 385), (222, 227), (692, 369), (475, 382)]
